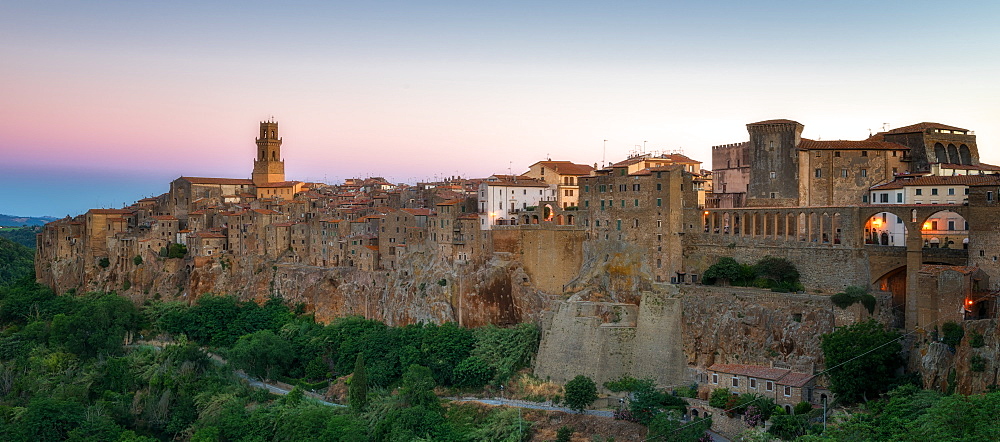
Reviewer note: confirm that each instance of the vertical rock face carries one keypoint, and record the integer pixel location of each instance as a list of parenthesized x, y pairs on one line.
[(968, 368), (676, 331)]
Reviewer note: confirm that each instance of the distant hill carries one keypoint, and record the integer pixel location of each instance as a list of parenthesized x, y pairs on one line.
[(16, 261), (24, 236), (11, 220)]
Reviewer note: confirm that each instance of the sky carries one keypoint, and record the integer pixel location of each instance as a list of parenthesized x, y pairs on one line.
[(105, 102)]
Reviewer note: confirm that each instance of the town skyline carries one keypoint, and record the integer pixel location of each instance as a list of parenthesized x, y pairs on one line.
[(123, 98)]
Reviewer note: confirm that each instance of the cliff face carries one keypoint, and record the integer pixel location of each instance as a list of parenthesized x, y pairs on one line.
[(424, 288), (968, 368), (679, 330)]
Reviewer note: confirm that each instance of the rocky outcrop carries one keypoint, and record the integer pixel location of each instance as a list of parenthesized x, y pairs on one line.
[(968, 368)]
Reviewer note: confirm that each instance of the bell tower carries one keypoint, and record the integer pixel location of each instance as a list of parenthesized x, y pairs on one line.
[(269, 167)]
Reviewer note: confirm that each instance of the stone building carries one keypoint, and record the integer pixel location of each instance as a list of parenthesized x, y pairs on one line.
[(502, 198), (931, 143), (564, 175), (785, 386), (730, 175), (645, 208)]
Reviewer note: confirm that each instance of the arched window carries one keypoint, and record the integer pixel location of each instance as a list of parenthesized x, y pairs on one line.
[(965, 154), (953, 154), (939, 153)]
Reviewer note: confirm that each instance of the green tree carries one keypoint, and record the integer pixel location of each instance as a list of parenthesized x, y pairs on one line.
[(262, 354), (417, 387), (581, 391), (16, 261), (719, 398), (137, 260), (358, 390), (862, 360), (668, 426), (726, 271), (472, 372), (99, 327), (564, 434)]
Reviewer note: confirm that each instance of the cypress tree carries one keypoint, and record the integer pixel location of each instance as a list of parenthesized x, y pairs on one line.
[(357, 394)]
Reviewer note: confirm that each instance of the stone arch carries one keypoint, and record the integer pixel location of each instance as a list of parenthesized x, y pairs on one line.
[(800, 231), (534, 219), (953, 154), (790, 226), (768, 224), (965, 154), (549, 212), (894, 281), (825, 228), (757, 224), (940, 154), (813, 227), (949, 227), (560, 220), (885, 229), (570, 219), (527, 219)]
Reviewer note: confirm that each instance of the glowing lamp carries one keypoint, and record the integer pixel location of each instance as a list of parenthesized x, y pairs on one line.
[(877, 222), (706, 212), (927, 225), (968, 302)]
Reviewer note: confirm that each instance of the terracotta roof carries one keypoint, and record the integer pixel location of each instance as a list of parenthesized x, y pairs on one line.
[(203, 180), (981, 166), (451, 202), (419, 212), (940, 268), (266, 212), (164, 218), (108, 211), (936, 180), (282, 224), (280, 184), (372, 247), (469, 216), (807, 144), (508, 181), (920, 127), (209, 235), (778, 121), (782, 376), (754, 371), (567, 167)]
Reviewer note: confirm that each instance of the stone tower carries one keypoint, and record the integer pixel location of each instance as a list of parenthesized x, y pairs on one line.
[(774, 163), (269, 166)]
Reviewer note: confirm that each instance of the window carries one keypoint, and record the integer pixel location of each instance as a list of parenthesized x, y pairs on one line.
[(843, 173), (864, 172), (659, 186), (864, 199), (659, 237), (951, 225), (836, 153), (788, 391), (769, 386), (989, 196), (636, 202), (586, 188), (934, 191), (736, 381), (893, 153), (753, 383), (586, 203), (659, 202), (773, 175), (659, 223), (623, 204), (919, 191), (819, 173), (774, 195), (864, 153), (951, 191), (885, 198), (899, 197), (715, 378)]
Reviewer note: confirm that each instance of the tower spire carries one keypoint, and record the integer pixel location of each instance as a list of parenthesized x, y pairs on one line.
[(269, 167)]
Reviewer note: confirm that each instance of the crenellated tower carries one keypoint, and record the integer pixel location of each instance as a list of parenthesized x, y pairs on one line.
[(269, 167)]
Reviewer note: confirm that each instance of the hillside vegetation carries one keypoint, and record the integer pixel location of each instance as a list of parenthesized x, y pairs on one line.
[(16, 261)]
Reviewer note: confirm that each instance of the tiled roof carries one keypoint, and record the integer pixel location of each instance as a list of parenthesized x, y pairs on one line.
[(808, 144), (754, 371), (567, 167), (934, 269), (451, 202), (778, 121), (981, 166), (164, 218), (108, 211), (920, 127), (209, 235), (936, 180), (266, 212), (421, 211), (280, 184), (203, 180), (782, 376)]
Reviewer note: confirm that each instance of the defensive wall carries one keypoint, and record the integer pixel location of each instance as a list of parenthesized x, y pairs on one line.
[(550, 254)]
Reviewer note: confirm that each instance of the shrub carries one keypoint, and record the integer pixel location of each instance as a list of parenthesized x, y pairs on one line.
[(472, 372), (976, 340), (802, 408), (104, 262), (719, 398), (952, 333), (853, 295), (564, 434), (137, 260), (626, 383), (778, 270), (977, 364), (581, 391)]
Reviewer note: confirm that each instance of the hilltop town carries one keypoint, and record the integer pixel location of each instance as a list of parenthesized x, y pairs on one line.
[(610, 259)]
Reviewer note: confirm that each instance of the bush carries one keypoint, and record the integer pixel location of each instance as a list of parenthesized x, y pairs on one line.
[(564, 434), (952, 333), (581, 391), (726, 270), (719, 398), (977, 364), (777, 270), (853, 295), (976, 340), (137, 260), (803, 408), (104, 262), (626, 383), (472, 372), (176, 251)]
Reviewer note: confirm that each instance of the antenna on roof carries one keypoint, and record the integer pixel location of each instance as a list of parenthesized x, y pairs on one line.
[(885, 127), (604, 154)]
